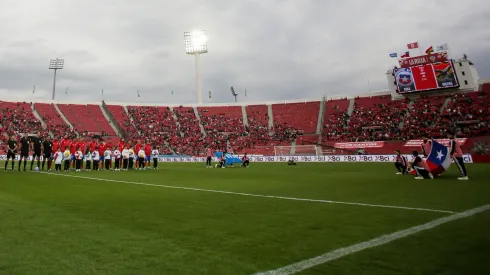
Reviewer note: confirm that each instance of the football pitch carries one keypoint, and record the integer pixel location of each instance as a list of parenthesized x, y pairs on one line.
[(315, 218)]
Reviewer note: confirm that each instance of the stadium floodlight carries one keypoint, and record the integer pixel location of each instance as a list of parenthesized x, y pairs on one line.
[(56, 64), (196, 44)]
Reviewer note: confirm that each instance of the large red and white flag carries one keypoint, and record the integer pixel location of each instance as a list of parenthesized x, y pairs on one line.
[(414, 45)]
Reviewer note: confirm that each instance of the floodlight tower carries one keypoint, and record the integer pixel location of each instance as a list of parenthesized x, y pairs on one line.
[(196, 44), (55, 64)]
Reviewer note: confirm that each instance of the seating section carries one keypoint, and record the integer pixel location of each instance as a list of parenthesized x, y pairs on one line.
[(53, 119), (17, 117), (182, 130), (302, 116)]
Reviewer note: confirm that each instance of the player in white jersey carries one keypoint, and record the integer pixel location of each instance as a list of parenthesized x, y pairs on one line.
[(78, 159), (141, 159), (154, 156), (117, 158), (88, 159), (131, 159), (125, 156), (96, 159), (107, 158), (58, 159)]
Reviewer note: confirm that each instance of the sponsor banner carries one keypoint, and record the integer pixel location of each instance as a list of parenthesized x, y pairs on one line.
[(330, 158), (356, 145), (445, 142), (423, 60)]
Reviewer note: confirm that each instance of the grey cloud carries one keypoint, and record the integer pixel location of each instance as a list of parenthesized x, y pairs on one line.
[(277, 49)]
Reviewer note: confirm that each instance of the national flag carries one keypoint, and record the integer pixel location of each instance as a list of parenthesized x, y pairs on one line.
[(138, 92), (102, 91), (34, 89), (405, 55), (443, 47), (429, 50), (438, 159), (414, 45), (229, 158), (209, 93), (393, 54)]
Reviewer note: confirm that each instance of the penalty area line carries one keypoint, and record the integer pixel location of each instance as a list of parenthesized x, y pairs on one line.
[(256, 195), (384, 239)]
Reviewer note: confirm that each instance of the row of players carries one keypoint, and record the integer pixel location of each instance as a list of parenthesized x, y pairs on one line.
[(98, 152)]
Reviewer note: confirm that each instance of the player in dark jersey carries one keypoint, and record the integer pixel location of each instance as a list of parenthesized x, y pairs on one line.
[(11, 151), (25, 143), (47, 151), (36, 146)]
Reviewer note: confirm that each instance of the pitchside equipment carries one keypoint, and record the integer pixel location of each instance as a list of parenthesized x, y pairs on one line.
[(298, 150)]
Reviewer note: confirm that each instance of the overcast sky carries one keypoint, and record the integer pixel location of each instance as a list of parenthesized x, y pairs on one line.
[(275, 49)]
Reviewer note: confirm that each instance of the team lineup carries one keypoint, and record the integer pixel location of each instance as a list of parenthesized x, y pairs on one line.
[(95, 155)]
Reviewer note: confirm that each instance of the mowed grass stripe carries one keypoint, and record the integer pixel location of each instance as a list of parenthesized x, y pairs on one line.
[(252, 195)]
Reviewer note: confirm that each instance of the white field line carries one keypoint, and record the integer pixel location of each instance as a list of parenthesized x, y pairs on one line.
[(339, 253), (256, 195)]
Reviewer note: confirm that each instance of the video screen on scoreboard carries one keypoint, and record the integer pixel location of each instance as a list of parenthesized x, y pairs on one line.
[(426, 77)]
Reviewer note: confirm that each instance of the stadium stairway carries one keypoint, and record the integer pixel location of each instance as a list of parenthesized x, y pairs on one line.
[(176, 121), (351, 106), (321, 117), (271, 118), (112, 122), (244, 116), (60, 113), (38, 116), (101, 119), (199, 120)]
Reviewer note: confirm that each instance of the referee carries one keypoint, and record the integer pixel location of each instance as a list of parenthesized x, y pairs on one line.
[(36, 144), (24, 150), (47, 150), (11, 150)]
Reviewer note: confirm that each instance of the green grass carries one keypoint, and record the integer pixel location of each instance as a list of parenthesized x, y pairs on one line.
[(64, 225)]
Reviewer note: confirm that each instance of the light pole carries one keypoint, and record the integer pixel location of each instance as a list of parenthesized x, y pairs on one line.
[(55, 64), (196, 44)]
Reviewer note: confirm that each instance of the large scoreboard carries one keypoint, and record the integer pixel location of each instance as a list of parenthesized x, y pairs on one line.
[(425, 73)]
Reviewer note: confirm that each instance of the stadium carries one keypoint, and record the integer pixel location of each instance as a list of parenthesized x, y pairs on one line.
[(329, 187)]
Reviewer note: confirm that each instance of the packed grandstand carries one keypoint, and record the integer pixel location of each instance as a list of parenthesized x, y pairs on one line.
[(257, 129)]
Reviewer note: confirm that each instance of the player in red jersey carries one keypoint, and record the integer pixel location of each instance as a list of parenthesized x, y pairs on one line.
[(92, 145), (56, 145), (73, 150), (65, 142), (102, 148), (147, 150), (137, 148)]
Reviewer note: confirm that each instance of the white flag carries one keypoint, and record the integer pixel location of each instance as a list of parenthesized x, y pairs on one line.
[(443, 47)]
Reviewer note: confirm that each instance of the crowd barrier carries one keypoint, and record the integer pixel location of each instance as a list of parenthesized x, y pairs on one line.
[(330, 158)]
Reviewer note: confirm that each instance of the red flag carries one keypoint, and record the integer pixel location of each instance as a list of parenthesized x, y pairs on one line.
[(414, 45), (429, 50), (405, 55)]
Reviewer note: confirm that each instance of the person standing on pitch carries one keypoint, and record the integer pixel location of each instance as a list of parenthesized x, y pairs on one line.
[(154, 155), (25, 143), (131, 158), (58, 158), (107, 158), (125, 157), (96, 158), (88, 159), (209, 156), (117, 159), (47, 152), (11, 151), (78, 159), (141, 159), (457, 155), (36, 146)]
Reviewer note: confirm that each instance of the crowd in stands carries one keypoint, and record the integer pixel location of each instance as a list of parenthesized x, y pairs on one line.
[(182, 130)]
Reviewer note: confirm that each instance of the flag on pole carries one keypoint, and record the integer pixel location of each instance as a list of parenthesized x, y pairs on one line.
[(414, 45), (66, 91), (138, 92), (393, 55), (245, 92), (209, 93), (405, 55), (438, 159), (102, 91), (443, 47), (34, 89), (429, 50), (172, 92)]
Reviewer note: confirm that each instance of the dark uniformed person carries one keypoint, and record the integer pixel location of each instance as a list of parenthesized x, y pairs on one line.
[(47, 151), (36, 146), (25, 142), (11, 151)]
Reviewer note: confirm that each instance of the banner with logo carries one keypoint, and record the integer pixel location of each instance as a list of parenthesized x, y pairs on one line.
[(423, 60), (443, 141), (330, 158), (356, 145)]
